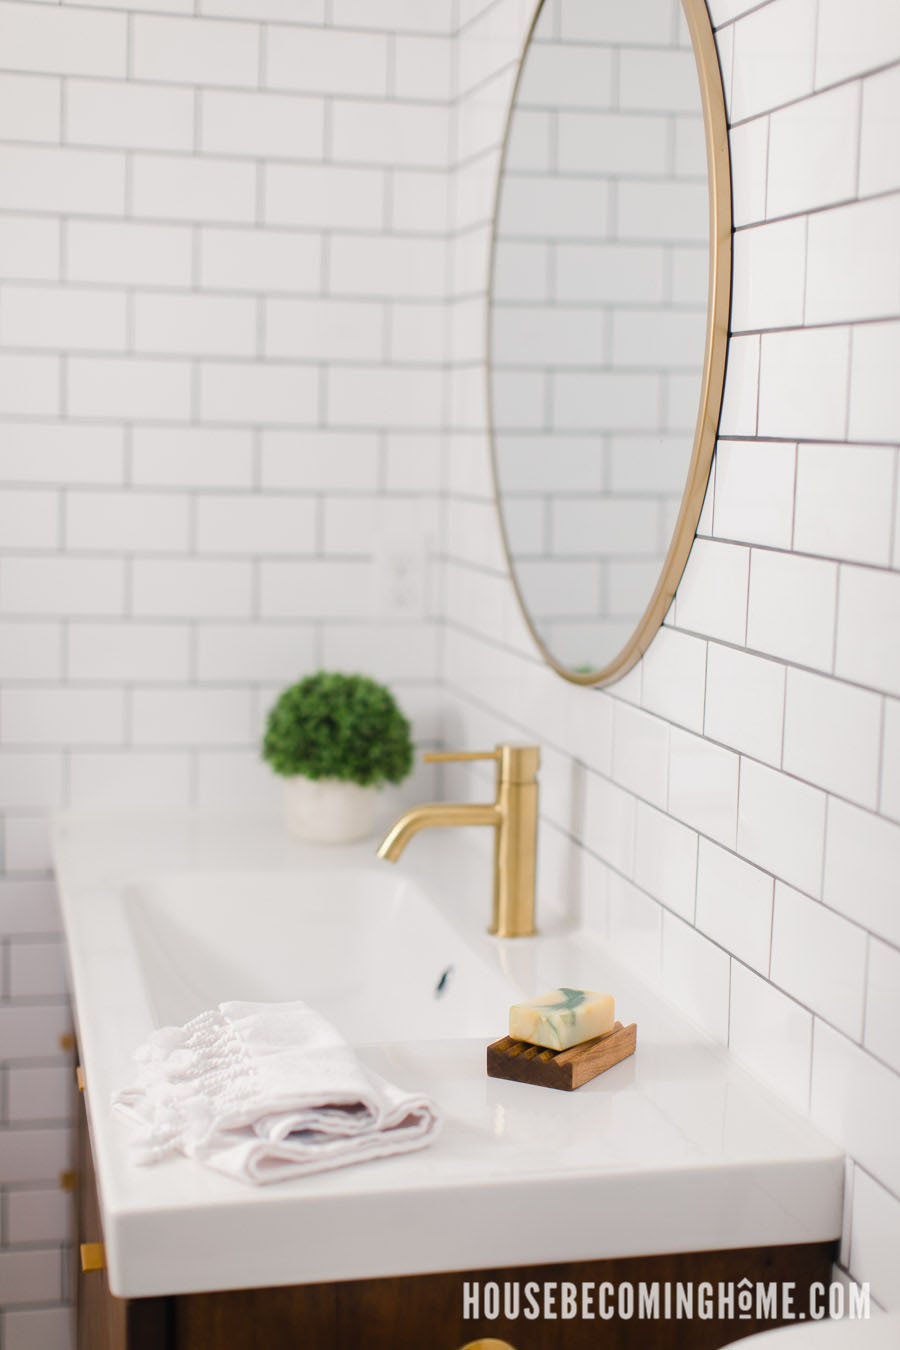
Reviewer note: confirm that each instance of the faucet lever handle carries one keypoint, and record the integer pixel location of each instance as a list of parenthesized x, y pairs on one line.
[(454, 756)]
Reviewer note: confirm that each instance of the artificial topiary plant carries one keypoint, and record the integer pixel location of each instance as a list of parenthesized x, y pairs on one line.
[(331, 725)]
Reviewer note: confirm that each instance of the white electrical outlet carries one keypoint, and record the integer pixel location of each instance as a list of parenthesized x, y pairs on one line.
[(401, 567)]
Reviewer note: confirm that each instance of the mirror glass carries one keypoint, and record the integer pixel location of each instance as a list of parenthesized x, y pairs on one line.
[(600, 290)]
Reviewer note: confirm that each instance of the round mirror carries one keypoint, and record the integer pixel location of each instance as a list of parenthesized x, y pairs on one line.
[(610, 294)]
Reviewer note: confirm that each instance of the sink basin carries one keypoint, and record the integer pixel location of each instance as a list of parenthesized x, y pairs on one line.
[(362, 945), (168, 915)]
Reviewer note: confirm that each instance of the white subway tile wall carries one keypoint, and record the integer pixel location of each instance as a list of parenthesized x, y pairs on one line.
[(244, 272), (741, 831), (223, 279)]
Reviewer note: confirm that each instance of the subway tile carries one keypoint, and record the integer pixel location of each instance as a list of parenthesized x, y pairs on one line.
[(256, 524), (675, 678), (832, 735), (49, 1328), (262, 259), (803, 384), (773, 57), (315, 590), (292, 11), (875, 1238), (31, 104), (389, 651), (769, 270), (186, 717), (320, 461), (253, 392), (191, 587), (696, 976), (127, 252), (69, 42), (890, 760), (712, 595), (372, 396), (27, 844), (331, 197), (130, 115), (258, 652), (883, 1003), (43, 1093), (857, 1101), (29, 246), (29, 385), (792, 608), (185, 187), (749, 168), (129, 388), (407, 15), (63, 317), (844, 502), (868, 636), (324, 329), (207, 325), (862, 859), (388, 266), (194, 51), (326, 61), (740, 398), (29, 518), (820, 959), (37, 969), (236, 780), (772, 1035), (745, 702), (268, 126), (30, 1276), (62, 585), (423, 66), (191, 457), (813, 151), (390, 133), (845, 49), (420, 201), (129, 779), (703, 786), (61, 716), (41, 178), (40, 1216), (754, 492), (734, 904), (640, 752), (418, 333), (28, 1031), (634, 925), (29, 907), (122, 652), (126, 522), (30, 650), (57, 452), (609, 822), (878, 171), (665, 860), (781, 826), (874, 393), (853, 271)]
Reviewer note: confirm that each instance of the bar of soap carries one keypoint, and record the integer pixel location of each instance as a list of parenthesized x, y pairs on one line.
[(562, 1018)]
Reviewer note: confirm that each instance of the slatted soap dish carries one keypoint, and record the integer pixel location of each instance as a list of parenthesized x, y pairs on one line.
[(544, 1045)]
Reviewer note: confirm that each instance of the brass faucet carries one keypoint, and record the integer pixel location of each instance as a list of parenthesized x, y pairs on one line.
[(514, 817)]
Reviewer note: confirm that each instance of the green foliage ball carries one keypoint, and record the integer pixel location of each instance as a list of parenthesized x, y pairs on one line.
[(331, 725)]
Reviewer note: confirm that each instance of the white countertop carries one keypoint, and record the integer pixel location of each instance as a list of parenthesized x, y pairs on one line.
[(675, 1149)]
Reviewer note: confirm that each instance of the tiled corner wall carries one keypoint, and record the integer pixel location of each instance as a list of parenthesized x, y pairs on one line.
[(730, 811), (222, 330)]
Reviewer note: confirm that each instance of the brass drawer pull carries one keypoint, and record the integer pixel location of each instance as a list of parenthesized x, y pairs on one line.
[(93, 1256), (79, 1078), (68, 1181), (67, 1041), (489, 1344)]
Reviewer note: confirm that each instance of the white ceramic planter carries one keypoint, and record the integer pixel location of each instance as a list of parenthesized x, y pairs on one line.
[(327, 811)]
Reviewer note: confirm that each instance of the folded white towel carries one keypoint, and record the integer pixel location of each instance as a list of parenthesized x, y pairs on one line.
[(266, 1092)]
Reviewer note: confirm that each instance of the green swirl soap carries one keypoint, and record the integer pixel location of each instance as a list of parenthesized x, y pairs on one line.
[(562, 1018)]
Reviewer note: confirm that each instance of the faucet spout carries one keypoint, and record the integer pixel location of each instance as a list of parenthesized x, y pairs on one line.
[(430, 815)]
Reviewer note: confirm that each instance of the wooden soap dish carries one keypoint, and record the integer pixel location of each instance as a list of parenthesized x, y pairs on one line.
[(563, 1069)]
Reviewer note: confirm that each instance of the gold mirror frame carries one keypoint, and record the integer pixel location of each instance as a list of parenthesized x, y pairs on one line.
[(718, 160)]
